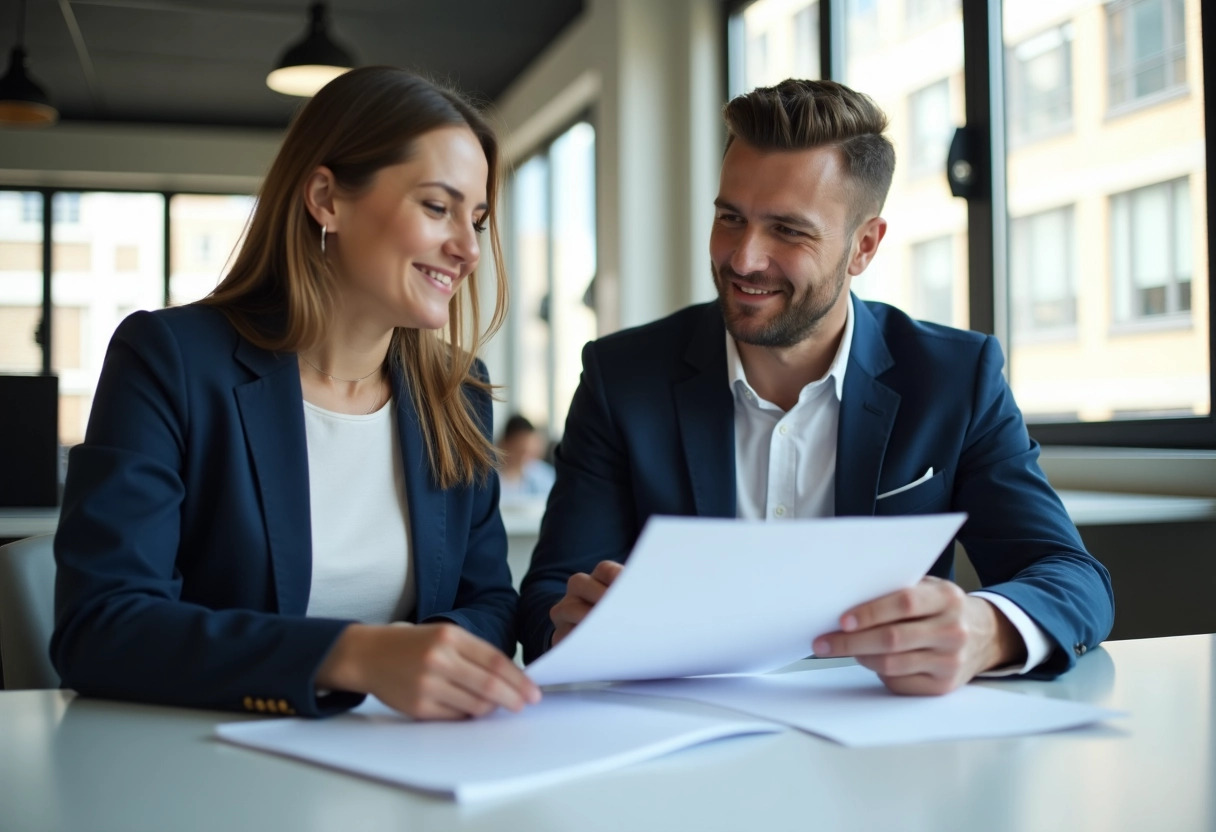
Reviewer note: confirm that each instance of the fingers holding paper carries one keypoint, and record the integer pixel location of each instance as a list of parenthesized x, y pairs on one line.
[(429, 671), (583, 591), (927, 639)]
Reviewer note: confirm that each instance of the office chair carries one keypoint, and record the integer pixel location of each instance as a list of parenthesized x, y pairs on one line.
[(27, 613)]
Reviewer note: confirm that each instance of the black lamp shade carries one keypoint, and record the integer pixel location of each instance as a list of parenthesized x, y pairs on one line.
[(313, 62), (22, 101)]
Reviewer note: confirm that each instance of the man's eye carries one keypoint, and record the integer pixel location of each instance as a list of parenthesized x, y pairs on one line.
[(785, 230)]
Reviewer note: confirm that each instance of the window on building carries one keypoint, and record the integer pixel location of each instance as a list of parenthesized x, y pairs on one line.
[(31, 206), (1151, 251), (1040, 84), (930, 126), (1042, 273), (933, 280), (65, 208), (1147, 49)]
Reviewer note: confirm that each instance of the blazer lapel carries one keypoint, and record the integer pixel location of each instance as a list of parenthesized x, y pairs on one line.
[(867, 415), (706, 416), (272, 412), (426, 501)]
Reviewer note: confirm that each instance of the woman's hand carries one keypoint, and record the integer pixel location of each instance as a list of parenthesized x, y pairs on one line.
[(428, 671)]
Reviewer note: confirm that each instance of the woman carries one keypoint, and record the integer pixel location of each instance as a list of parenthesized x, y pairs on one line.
[(276, 479)]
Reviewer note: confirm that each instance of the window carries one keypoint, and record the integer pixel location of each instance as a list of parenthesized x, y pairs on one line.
[(1147, 49), (1151, 251), (1106, 344), (771, 40), (933, 280), (931, 127), (553, 261), (65, 208), (205, 232), (1042, 272), (1040, 84), (107, 260), (90, 295), (1107, 245), (31, 207), (923, 13)]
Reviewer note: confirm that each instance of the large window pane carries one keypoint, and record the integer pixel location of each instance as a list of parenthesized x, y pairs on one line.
[(909, 59), (530, 289), (20, 281), (572, 313), (772, 40), (108, 261), (205, 232), (1108, 248)]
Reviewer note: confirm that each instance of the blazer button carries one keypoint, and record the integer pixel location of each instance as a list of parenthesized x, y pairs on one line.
[(284, 707), (248, 701), (260, 704)]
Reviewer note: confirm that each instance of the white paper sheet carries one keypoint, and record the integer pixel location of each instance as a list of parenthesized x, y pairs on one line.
[(705, 595), (851, 706), (567, 735)]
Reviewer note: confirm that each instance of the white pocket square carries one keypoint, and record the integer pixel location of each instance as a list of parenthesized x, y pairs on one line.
[(928, 475)]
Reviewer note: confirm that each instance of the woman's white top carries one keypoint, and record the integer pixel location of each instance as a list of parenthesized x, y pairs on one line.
[(361, 564)]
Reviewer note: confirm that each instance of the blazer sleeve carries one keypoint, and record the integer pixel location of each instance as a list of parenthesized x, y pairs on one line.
[(1018, 535), (591, 514), (486, 601), (122, 628)]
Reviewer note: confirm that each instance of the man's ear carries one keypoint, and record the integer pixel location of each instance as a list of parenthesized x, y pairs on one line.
[(319, 193), (865, 243)]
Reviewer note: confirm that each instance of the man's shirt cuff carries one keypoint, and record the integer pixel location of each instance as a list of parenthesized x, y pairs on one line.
[(1038, 646)]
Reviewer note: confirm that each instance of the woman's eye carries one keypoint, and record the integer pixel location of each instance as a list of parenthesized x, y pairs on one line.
[(479, 226), (436, 208)]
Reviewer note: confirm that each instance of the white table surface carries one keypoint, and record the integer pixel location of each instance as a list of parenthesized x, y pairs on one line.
[(70, 763)]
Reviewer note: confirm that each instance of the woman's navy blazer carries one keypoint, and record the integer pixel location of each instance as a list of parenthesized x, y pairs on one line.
[(184, 546)]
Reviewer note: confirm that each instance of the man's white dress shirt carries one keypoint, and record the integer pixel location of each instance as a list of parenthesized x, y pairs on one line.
[(785, 466)]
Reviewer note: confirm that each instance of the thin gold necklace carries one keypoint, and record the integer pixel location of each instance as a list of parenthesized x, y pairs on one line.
[(338, 378)]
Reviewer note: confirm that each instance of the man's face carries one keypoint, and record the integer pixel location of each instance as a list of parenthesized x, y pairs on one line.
[(782, 246)]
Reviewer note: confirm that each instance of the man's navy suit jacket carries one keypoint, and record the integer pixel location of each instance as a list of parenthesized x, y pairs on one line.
[(651, 431), (184, 549)]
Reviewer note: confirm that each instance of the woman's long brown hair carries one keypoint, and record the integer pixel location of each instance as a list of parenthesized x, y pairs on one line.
[(279, 289)]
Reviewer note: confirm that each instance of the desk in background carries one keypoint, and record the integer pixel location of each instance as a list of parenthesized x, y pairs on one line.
[(76, 764)]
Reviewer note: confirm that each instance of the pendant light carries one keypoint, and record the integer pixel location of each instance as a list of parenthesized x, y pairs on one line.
[(22, 102), (313, 62)]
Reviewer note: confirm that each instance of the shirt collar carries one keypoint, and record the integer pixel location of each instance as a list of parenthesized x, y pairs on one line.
[(734, 365)]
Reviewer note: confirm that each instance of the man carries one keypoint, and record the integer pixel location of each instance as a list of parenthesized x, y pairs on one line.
[(791, 398), (524, 474)]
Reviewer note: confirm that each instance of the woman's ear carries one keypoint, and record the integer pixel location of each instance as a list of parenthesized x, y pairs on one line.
[(319, 192)]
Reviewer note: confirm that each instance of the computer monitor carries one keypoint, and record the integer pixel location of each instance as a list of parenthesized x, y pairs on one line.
[(29, 441)]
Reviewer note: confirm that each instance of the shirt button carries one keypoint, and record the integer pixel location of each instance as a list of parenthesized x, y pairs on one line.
[(783, 430), (779, 511)]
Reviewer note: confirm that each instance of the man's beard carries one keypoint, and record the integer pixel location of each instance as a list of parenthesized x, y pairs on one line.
[(799, 319)]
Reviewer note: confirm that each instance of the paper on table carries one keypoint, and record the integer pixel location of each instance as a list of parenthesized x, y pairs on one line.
[(567, 735), (851, 706), (707, 595)]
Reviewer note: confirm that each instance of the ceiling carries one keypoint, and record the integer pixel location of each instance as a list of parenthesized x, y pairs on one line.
[(202, 62)]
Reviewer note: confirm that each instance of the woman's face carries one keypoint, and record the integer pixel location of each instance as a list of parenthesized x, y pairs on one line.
[(403, 246)]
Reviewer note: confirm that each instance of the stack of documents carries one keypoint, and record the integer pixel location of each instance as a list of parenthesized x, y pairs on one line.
[(699, 597)]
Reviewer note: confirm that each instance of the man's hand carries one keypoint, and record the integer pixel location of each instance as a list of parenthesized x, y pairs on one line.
[(927, 639), (583, 592), (429, 671)]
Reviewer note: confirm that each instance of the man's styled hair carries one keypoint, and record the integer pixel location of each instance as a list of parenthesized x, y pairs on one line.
[(800, 115)]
